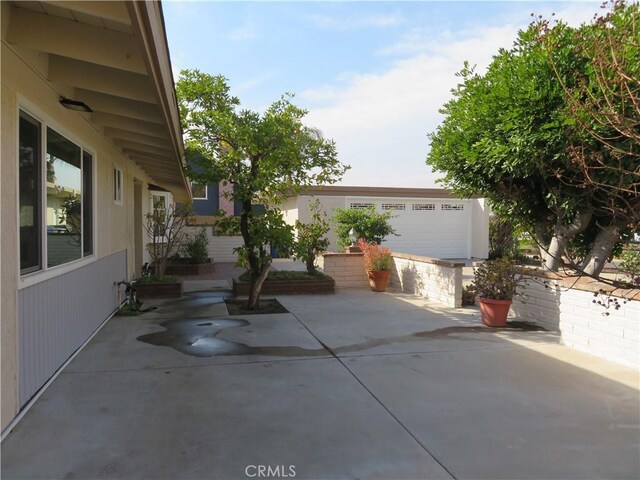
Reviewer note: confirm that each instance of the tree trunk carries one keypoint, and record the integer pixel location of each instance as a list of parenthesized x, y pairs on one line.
[(601, 250), (311, 263), (253, 303), (562, 235)]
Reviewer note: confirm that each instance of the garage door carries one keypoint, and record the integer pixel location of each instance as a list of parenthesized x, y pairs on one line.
[(434, 228)]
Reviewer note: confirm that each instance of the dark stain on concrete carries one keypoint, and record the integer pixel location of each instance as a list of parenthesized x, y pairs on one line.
[(199, 337)]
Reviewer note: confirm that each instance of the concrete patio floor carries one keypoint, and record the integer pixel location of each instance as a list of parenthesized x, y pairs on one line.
[(351, 385)]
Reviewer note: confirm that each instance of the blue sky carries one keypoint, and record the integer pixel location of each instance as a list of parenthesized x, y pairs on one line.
[(372, 74)]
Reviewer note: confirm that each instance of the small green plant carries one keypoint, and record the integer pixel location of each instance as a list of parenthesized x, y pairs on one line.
[(195, 247), (468, 295), (128, 310), (498, 279), (630, 264), (368, 224), (376, 258), (287, 275), (311, 239), (158, 279)]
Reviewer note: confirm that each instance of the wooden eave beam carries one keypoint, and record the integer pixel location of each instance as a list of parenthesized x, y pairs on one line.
[(110, 10), (60, 36), (100, 102), (99, 78), (124, 123), (147, 149), (119, 134)]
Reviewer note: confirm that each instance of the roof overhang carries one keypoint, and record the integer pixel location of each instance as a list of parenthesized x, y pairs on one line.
[(112, 56)]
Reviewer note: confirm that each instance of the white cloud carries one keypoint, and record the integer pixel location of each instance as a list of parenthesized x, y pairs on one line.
[(349, 23), (380, 120)]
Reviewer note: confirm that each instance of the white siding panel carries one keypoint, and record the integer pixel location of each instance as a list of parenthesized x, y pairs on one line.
[(56, 316)]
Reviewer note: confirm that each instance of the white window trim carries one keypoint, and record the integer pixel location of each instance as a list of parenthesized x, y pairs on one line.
[(206, 192), (118, 193), (46, 272)]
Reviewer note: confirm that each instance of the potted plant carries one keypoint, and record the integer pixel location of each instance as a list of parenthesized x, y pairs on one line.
[(496, 283), (377, 263)]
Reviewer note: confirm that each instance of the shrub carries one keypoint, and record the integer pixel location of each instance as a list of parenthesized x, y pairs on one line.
[(368, 224), (311, 237), (195, 247), (630, 264), (498, 279), (376, 258)]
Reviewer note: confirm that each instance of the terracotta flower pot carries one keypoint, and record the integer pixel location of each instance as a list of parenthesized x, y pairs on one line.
[(494, 312), (378, 279)]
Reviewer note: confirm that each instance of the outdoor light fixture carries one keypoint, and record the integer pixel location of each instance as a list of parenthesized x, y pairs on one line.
[(75, 105), (353, 237)]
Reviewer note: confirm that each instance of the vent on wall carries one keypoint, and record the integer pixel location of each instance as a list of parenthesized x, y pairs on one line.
[(360, 205), (393, 206), (452, 206), (423, 206)]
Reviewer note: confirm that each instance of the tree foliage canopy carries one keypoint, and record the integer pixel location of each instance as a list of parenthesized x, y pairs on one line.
[(262, 156), (547, 134)]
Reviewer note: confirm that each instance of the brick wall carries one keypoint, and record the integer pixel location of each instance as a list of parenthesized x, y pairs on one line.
[(431, 278), (581, 323), (347, 269)]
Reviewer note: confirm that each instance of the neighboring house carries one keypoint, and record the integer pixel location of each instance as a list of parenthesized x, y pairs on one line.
[(91, 141), (430, 221)]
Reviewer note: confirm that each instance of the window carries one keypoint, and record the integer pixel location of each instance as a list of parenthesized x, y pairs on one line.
[(199, 191), (56, 188), (423, 206), (160, 206), (117, 186), (360, 205), (393, 206), (30, 193), (452, 207)]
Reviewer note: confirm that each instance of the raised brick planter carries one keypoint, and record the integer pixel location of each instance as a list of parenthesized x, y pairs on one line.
[(286, 287), (159, 290), (198, 269)]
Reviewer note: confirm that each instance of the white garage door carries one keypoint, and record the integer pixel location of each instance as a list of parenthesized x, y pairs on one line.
[(430, 227)]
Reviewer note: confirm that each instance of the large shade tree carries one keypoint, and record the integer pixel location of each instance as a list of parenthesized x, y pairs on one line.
[(263, 156), (527, 135)]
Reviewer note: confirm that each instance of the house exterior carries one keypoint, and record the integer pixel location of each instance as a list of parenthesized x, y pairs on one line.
[(91, 141), (430, 222)]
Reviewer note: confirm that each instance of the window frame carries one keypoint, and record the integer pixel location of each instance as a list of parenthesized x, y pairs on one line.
[(45, 272), (206, 191), (118, 193)]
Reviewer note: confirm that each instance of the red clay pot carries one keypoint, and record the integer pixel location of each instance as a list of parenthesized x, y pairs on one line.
[(378, 279), (494, 312)]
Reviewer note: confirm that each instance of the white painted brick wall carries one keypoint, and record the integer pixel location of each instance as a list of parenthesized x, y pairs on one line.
[(436, 282), (581, 323)]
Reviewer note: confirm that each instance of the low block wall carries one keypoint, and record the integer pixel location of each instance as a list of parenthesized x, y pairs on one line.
[(581, 323), (347, 269), (431, 278), (438, 280)]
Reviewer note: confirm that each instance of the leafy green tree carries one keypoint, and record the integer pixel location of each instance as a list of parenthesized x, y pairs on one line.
[(312, 238), (511, 135), (368, 224), (263, 156)]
